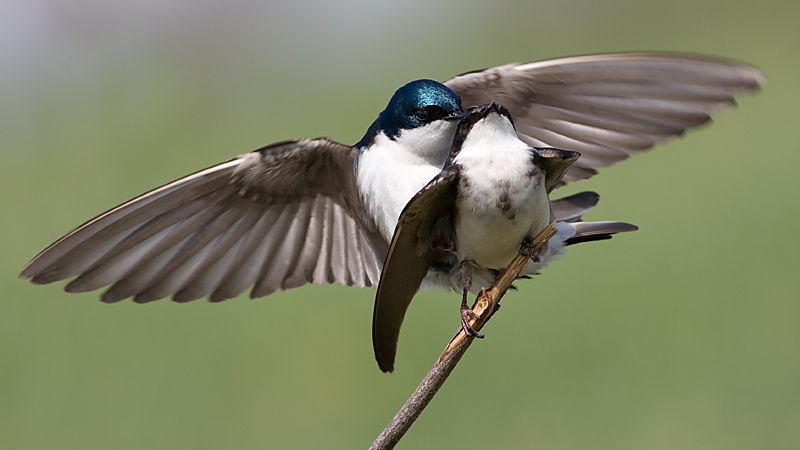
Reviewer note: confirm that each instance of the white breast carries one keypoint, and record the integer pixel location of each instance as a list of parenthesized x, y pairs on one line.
[(391, 172), (502, 198)]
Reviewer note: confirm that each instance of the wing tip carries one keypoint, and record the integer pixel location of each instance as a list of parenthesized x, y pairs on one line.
[(28, 272), (39, 278), (108, 298), (386, 366), (383, 356), (383, 346)]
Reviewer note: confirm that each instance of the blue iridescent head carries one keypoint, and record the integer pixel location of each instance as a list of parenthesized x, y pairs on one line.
[(416, 104)]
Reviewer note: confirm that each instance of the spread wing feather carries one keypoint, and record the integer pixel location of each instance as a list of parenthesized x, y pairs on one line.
[(275, 218), (608, 107)]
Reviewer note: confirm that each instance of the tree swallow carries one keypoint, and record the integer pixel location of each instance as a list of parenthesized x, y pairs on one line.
[(472, 219), (319, 211)]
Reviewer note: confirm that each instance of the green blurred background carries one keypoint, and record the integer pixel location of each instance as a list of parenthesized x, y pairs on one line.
[(683, 335)]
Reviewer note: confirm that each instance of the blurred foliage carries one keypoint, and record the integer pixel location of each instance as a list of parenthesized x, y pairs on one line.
[(682, 335)]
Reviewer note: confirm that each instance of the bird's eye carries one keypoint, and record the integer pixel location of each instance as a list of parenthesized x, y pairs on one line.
[(421, 114)]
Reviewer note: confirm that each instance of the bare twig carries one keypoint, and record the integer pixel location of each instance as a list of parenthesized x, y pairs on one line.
[(485, 306)]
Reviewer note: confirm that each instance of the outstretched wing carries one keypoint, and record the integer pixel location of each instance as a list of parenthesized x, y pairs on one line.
[(413, 250), (276, 218), (608, 107)]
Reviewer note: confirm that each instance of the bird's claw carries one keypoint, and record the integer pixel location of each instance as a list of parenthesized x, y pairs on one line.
[(529, 248), (467, 314)]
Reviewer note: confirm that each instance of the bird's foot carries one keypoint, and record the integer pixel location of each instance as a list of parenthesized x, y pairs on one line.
[(466, 314), (529, 248)]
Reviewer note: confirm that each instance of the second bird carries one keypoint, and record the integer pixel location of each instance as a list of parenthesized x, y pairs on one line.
[(472, 219)]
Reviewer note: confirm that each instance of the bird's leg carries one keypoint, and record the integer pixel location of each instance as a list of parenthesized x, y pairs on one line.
[(465, 277), (529, 247), (466, 314)]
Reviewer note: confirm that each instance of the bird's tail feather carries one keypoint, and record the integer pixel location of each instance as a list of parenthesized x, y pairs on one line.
[(597, 231), (570, 209)]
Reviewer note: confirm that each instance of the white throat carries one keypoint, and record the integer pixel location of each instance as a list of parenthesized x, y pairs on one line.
[(390, 172)]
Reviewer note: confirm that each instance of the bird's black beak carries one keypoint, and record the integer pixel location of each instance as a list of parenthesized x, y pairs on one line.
[(492, 107), (455, 115), (478, 113)]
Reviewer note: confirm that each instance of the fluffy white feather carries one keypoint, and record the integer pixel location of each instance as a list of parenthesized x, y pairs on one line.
[(390, 172), (501, 195)]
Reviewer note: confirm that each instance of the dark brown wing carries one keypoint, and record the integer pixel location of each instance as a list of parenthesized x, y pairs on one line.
[(608, 107), (411, 253), (276, 218)]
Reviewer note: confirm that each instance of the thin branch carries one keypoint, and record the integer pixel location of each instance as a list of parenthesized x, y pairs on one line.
[(485, 306)]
